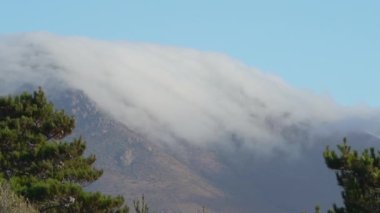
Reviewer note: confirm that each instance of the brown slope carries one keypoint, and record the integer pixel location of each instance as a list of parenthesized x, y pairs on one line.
[(186, 178), (134, 166)]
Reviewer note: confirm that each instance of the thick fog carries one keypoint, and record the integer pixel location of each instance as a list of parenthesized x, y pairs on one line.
[(172, 94)]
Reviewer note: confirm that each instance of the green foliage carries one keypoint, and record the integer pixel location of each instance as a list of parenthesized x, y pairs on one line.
[(358, 175), (40, 165), (12, 203)]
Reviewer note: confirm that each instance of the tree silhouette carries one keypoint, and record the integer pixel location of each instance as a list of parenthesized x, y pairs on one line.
[(358, 175), (43, 167)]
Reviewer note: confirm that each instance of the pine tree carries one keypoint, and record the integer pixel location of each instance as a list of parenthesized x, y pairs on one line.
[(40, 165), (358, 175)]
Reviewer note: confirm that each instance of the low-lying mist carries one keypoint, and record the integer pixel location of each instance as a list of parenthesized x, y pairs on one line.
[(173, 95)]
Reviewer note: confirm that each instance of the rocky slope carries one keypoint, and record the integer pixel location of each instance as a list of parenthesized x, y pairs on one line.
[(186, 178), (134, 166)]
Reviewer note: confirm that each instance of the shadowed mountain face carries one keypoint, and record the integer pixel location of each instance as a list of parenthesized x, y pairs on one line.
[(187, 177)]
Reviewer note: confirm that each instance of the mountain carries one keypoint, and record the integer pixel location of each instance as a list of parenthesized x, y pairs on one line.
[(189, 177), (186, 128), (134, 166)]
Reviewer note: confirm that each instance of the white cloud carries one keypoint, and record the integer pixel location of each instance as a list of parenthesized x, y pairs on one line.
[(170, 94)]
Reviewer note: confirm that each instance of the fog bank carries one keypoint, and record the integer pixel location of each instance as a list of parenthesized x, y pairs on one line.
[(172, 94)]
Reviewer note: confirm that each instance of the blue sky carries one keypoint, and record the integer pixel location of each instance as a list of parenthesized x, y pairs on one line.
[(329, 47)]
